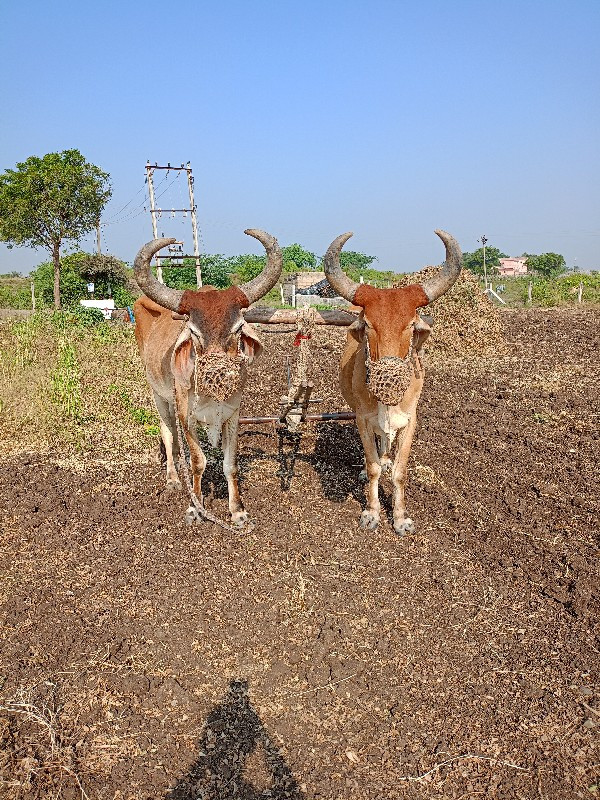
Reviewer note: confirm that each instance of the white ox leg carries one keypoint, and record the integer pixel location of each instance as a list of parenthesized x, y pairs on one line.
[(402, 522), (370, 516), (169, 437), (197, 457), (229, 437)]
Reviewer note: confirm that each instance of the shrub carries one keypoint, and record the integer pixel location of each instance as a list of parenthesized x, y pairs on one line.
[(76, 270)]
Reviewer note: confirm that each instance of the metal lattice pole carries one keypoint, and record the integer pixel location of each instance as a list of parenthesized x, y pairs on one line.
[(194, 225), (149, 171)]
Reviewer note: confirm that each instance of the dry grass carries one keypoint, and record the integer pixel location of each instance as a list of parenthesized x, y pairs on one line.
[(38, 757), (66, 387)]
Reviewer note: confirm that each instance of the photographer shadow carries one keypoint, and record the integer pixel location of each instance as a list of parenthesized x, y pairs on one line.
[(235, 753)]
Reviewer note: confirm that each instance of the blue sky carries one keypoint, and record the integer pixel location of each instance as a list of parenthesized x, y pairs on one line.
[(308, 119)]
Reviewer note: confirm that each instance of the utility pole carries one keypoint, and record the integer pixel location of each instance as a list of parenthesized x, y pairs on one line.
[(194, 224), (191, 210), (149, 171), (483, 241), (98, 237)]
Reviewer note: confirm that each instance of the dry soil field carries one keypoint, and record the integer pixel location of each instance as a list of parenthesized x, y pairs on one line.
[(308, 659)]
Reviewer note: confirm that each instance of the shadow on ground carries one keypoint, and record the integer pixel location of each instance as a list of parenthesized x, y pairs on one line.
[(237, 759)]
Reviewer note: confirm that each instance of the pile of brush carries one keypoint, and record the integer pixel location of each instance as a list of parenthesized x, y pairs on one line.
[(466, 320)]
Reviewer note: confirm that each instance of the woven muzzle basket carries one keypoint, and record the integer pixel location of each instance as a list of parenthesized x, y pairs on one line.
[(219, 375), (389, 378)]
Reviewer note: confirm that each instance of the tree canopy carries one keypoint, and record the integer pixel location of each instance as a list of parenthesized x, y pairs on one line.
[(48, 200), (474, 261), (216, 271), (548, 265), (351, 260), (297, 259)]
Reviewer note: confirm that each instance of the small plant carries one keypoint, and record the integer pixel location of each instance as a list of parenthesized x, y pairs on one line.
[(26, 332), (148, 419), (87, 317), (66, 387)]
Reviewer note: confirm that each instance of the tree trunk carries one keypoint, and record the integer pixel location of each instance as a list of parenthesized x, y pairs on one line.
[(56, 260)]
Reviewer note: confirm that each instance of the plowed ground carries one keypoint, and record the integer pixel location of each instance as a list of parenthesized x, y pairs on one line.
[(307, 658)]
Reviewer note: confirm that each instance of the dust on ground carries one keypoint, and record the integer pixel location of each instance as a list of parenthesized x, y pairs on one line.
[(309, 659)]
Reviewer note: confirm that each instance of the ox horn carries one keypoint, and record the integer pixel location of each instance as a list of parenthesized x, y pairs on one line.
[(157, 291), (342, 284), (266, 280), (450, 271)]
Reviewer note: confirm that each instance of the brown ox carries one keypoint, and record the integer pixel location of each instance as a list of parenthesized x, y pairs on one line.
[(381, 372), (195, 346)]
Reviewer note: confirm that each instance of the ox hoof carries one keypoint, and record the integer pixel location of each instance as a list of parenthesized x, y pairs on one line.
[(173, 486), (404, 526), (369, 520), (191, 516), (239, 518), (386, 464)]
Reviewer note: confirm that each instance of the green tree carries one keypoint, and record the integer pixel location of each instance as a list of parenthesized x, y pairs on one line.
[(216, 271), (548, 265), (474, 261), (297, 259), (350, 260), (246, 267), (48, 200)]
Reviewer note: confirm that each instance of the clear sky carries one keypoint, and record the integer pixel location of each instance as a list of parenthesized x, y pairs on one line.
[(308, 119)]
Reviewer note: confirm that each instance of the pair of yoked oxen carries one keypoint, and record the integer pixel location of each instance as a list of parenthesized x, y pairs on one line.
[(180, 332)]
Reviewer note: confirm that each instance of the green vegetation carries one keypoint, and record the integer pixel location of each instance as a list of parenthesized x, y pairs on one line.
[(141, 415), (548, 265), (216, 271), (561, 290), (48, 200), (15, 292), (65, 383), (297, 259), (109, 275), (474, 261)]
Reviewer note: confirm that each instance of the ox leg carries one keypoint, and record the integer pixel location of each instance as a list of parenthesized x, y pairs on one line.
[(402, 522), (229, 437), (169, 437), (197, 457), (370, 516)]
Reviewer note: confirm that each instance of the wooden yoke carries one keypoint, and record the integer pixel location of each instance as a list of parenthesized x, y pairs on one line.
[(284, 316), (295, 405)]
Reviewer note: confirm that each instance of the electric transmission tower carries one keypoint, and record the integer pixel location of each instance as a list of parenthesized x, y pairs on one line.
[(155, 213)]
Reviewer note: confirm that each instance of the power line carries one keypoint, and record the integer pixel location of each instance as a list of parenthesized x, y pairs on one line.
[(111, 220)]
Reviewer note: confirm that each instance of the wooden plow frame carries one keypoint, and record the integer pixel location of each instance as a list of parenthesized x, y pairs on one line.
[(294, 408)]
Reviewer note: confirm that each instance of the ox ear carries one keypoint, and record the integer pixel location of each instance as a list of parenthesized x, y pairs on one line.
[(357, 329), (251, 344), (183, 359), (422, 329)]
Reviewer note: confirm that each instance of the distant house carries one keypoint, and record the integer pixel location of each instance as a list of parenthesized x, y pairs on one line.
[(513, 266)]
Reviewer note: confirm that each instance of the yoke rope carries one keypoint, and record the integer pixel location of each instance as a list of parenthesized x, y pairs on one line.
[(306, 322)]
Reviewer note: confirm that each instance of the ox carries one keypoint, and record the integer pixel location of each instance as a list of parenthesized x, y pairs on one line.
[(381, 371), (195, 346)]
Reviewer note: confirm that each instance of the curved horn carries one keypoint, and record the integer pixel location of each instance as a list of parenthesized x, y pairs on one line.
[(342, 284), (435, 287), (266, 280), (161, 294)]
